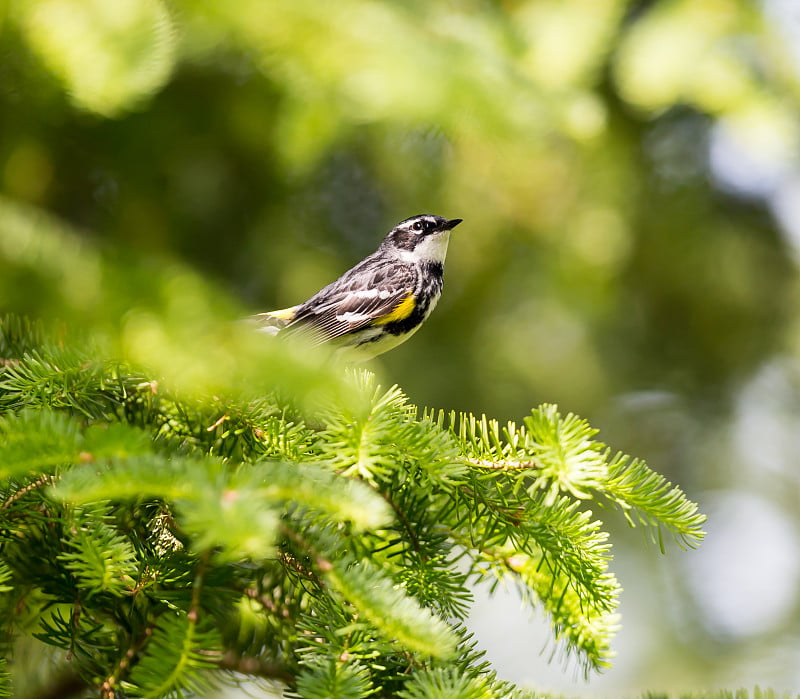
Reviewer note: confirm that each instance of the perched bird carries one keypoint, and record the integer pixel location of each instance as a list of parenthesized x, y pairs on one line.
[(380, 302)]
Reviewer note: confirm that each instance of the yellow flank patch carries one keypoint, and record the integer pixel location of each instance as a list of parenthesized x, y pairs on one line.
[(400, 312), (283, 313)]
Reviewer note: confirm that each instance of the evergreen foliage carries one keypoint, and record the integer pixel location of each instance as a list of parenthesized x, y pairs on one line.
[(160, 539)]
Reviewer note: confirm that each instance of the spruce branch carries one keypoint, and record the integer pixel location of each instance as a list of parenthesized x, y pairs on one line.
[(332, 678), (177, 658), (558, 454), (6, 688), (100, 558), (13, 497), (396, 614), (446, 683), (569, 460), (159, 538), (647, 497)]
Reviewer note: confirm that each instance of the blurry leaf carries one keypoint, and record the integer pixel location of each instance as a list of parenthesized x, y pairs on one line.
[(237, 519), (116, 440), (681, 51), (35, 245), (108, 54), (317, 487), (146, 476), (34, 441), (554, 61)]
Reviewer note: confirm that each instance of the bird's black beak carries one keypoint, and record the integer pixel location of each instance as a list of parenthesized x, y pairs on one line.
[(452, 223)]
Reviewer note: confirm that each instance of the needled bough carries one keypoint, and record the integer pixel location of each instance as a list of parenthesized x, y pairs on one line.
[(160, 539)]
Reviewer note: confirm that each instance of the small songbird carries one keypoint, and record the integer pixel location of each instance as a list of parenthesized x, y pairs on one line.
[(380, 302)]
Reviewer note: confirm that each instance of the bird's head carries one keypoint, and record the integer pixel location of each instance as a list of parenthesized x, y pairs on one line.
[(421, 238)]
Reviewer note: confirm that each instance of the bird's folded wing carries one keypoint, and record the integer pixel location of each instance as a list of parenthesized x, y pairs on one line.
[(350, 304)]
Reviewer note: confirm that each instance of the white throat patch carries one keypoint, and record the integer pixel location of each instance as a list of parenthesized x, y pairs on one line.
[(432, 249)]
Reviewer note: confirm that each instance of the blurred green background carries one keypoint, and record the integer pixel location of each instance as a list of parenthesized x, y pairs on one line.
[(629, 178)]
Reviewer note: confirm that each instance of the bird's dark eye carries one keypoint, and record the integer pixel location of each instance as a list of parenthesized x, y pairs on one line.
[(418, 226)]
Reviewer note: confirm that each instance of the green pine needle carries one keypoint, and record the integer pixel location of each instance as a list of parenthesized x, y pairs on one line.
[(446, 683), (333, 679), (386, 606), (649, 498), (175, 660), (101, 559), (6, 687)]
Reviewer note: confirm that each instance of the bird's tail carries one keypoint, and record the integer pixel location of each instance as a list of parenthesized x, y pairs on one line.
[(272, 322)]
